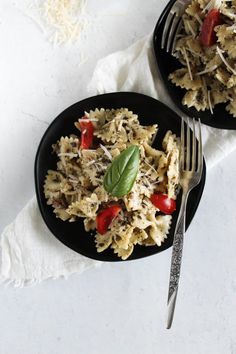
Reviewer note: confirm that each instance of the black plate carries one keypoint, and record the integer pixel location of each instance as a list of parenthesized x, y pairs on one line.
[(167, 64), (150, 111)]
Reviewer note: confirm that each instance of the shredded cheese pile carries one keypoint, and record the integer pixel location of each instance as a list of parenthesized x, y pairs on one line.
[(63, 20)]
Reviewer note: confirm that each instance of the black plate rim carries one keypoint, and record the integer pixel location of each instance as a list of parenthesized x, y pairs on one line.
[(191, 213)]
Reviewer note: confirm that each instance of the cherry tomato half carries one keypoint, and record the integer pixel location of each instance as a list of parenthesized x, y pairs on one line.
[(162, 202), (105, 218), (87, 129), (207, 35)]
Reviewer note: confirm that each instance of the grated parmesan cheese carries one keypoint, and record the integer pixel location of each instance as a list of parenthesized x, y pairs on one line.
[(212, 68), (191, 29), (188, 65), (106, 152), (198, 19), (68, 154), (88, 120), (148, 164), (209, 101), (220, 53), (213, 4), (63, 20)]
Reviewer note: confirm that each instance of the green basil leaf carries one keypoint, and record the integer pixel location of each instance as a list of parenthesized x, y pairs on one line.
[(121, 175)]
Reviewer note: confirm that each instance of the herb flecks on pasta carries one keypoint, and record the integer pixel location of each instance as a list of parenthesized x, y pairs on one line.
[(76, 188), (206, 47)]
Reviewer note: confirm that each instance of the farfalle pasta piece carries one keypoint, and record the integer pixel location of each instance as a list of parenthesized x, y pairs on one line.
[(52, 186), (67, 188), (193, 46), (89, 224), (181, 78), (110, 133), (162, 168), (203, 3), (148, 241), (138, 237), (190, 25), (211, 64), (62, 214), (222, 75), (98, 117), (122, 238), (101, 194), (132, 202), (162, 187), (153, 153), (67, 148), (76, 189), (89, 156), (92, 166), (229, 12), (121, 252), (194, 8), (159, 228), (232, 81), (173, 173), (70, 168), (226, 36), (55, 197), (170, 142), (219, 93), (103, 241), (115, 128), (140, 221), (75, 210), (231, 107), (196, 98), (184, 52), (139, 134), (86, 207), (204, 64)]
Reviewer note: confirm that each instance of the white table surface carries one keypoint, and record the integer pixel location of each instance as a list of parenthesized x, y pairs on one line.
[(119, 308)]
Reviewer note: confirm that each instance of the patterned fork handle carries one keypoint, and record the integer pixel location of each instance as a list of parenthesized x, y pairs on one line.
[(191, 163), (177, 251)]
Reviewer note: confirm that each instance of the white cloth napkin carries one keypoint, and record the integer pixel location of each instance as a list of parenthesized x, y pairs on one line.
[(29, 252)]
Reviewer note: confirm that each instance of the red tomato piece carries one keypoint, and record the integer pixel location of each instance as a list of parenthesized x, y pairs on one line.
[(105, 218), (87, 129), (207, 35), (162, 202)]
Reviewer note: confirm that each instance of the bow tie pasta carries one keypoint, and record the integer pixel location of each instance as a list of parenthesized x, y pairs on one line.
[(76, 188), (206, 49)]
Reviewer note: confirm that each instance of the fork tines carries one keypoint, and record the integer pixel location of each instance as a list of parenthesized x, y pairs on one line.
[(191, 147), (173, 25)]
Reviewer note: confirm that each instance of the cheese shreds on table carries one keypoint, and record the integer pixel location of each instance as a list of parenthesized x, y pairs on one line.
[(63, 20)]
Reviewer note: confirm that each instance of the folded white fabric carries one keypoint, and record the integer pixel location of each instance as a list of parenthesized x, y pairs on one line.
[(29, 252)]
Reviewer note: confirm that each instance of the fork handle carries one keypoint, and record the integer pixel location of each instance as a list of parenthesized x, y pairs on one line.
[(177, 251)]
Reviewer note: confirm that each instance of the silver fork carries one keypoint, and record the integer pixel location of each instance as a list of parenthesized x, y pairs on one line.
[(191, 165), (173, 25)]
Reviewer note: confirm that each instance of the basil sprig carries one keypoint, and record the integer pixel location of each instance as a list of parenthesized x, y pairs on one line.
[(121, 175)]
